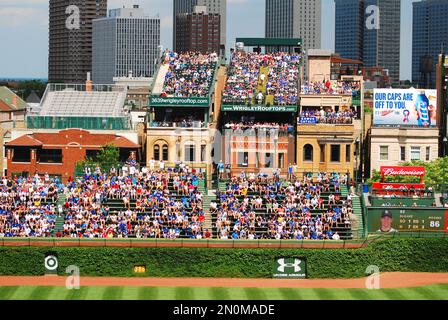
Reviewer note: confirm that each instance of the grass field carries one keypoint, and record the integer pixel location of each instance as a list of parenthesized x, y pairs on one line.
[(436, 292)]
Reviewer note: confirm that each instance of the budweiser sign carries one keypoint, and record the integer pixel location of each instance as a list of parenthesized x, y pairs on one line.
[(403, 171)]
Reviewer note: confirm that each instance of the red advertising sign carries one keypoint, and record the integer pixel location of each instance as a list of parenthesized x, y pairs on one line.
[(397, 186), (403, 171), (446, 221)]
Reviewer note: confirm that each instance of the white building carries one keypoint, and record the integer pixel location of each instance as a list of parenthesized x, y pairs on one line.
[(126, 41)]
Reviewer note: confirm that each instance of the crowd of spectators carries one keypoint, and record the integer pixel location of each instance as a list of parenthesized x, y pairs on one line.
[(154, 204), (28, 206), (190, 74), (182, 122), (245, 79), (256, 126), (286, 209), (331, 87), (328, 116)]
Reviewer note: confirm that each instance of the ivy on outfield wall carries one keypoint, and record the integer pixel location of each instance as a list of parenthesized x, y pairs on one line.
[(404, 255)]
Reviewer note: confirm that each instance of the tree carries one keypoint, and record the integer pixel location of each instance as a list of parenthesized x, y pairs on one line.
[(106, 158), (25, 88)]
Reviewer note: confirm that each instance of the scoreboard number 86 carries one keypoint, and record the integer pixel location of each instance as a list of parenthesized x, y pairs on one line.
[(434, 224)]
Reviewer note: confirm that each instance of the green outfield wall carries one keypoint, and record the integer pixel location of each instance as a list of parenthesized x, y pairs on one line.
[(391, 255)]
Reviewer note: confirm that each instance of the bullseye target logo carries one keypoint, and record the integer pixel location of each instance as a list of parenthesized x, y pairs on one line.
[(51, 263)]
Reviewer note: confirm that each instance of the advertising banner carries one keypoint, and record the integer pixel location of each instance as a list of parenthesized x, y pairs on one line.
[(289, 268), (307, 120), (179, 102), (405, 107), (243, 108), (403, 171)]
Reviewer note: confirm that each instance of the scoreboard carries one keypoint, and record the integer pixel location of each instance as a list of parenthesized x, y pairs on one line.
[(410, 219)]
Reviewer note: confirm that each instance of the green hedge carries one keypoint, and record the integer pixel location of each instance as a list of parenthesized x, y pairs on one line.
[(405, 255)]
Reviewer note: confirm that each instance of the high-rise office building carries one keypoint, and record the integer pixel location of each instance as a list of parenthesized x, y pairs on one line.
[(429, 39), (382, 45), (126, 41), (213, 7), (70, 38), (349, 36), (198, 31), (380, 37), (295, 19)]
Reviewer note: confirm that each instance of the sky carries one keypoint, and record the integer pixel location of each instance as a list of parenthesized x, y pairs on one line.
[(24, 31)]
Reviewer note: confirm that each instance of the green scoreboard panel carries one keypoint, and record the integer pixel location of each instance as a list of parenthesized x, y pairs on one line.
[(409, 219)]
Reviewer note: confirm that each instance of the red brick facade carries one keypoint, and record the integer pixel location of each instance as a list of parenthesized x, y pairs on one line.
[(73, 143)]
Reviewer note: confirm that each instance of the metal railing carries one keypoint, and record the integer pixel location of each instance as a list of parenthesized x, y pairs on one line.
[(181, 243)]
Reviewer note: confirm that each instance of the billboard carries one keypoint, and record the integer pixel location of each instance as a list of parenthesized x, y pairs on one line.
[(390, 219), (405, 107)]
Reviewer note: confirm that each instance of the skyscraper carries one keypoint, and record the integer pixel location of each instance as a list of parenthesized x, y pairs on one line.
[(382, 46), (378, 45), (213, 7), (198, 31), (70, 38), (350, 29), (127, 40), (295, 19), (429, 39)]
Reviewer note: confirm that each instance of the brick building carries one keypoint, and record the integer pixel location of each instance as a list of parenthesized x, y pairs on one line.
[(58, 152), (198, 31)]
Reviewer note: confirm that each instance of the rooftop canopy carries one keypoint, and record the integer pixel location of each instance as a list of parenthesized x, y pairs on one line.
[(267, 42)]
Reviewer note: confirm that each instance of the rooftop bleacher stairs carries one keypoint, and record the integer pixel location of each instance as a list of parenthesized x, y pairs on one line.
[(60, 220), (358, 228), (160, 79)]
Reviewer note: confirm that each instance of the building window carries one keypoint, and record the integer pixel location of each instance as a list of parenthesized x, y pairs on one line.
[(384, 153), (322, 153), (156, 152), (165, 152), (21, 155), (190, 153), (308, 153), (203, 153), (335, 153), (281, 160), (92, 154), (268, 160), (428, 153), (348, 156), (243, 159), (415, 154), (50, 156), (403, 154)]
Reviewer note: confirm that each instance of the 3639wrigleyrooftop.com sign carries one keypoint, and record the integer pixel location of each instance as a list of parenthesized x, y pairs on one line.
[(179, 102)]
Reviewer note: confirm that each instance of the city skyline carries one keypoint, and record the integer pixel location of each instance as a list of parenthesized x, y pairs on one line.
[(24, 26)]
